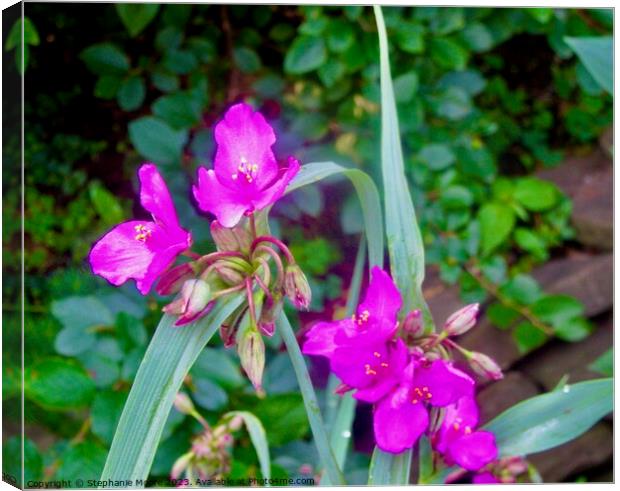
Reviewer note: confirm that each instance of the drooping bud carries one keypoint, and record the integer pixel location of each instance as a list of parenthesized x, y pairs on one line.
[(181, 464), (184, 404), (172, 280), (296, 287), (485, 366), (235, 423), (230, 276), (230, 239), (251, 350), (270, 312), (462, 320), (193, 302), (412, 325)]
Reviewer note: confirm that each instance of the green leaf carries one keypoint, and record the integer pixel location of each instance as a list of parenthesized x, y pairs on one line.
[(557, 309), (107, 86), (522, 288), (136, 16), (180, 110), (313, 411), (574, 329), (58, 384), (596, 53), (72, 341), (542, 15), (340, 36), (105, 203), (246, 59), (437, 156), (502, 316), (536, 194), (448, 54), (367, 194), (405, 86), (331, 72), (83, 461), (105, 59), (82, 312), (217, 365), (179, 61), (454, 104), (12, 460), (105, 413), (31, 36), (387, 468), (131, 93), (604, 364), (169, 357), (531, 242), (305, 54), (405, 245), (478, 37), (164, 81), (528, 337), (549, 420), (259, 440), (496, 222), (455, 197), (156, 140)]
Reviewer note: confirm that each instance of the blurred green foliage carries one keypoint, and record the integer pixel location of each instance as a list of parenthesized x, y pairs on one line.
[(486, 97)]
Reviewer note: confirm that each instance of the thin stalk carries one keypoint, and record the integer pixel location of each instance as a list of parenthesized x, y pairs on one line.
[(317, 426), (277, 242), (276, 259)]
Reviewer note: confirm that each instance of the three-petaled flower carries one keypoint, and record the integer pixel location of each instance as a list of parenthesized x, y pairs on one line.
[(142, 250), (245, 176)]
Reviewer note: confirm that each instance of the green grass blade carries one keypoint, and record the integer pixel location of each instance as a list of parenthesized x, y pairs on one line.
[(387, 468), (551, 419), (404, 240), (170, 355), (259, 440), (321, 440), (366, 192)]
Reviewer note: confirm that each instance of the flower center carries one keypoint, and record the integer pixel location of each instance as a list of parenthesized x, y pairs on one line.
[(371, 369), (142, 233), (247, 170), (421, 394), (457, 426), (361, 319)]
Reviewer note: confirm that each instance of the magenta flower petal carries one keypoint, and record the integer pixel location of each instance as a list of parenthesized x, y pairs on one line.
[(275, 191), (244, 157), (358, 366), (474, 450), (225, 203), (485, 478), (444, 383), (382, 300), (320, 338), (155, 197), (458, 418), (134, 250), (397, 423)]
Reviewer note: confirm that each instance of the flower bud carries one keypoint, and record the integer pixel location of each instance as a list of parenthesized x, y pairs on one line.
[(412, 325), (235, 423), (193, 303), (172, 280), (180, 465), (270, 312), (230, 239), (183, 403), (485, 366), (230, 276), (251, 350), (296, 287), (515, 465), (462, 320)]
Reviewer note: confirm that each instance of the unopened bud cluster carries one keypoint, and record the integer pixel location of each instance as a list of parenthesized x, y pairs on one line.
[(260, 266)]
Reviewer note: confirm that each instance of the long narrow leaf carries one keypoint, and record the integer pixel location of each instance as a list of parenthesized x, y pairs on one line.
[(170, 355), (311, 403), (403, 235), (551, 419), (387, 468), (367, 194), (259, 440)]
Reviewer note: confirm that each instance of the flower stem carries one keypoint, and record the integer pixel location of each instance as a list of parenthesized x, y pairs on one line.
[(214, 256), (277, 242), (277, 260), (253, 225), (251, 307), (227, 291)]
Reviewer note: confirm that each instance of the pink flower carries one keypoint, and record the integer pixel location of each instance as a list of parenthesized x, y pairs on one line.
[(459, 442), (374, 322), (401, 417), (142, 250), (485, 478), (245, 176)]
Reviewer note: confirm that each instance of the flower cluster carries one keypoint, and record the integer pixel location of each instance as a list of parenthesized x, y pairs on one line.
[(245, 179), (408, 376), (209, 456)]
